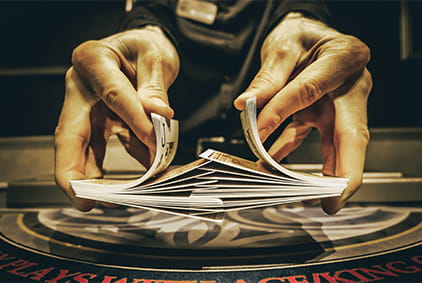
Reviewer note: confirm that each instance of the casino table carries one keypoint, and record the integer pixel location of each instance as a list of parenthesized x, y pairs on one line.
[(273, 244), (376, 237)]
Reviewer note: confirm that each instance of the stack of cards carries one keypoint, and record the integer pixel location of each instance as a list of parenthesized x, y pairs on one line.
[(215, 183)]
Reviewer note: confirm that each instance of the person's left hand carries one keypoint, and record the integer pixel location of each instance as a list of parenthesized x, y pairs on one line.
[(319, 76)]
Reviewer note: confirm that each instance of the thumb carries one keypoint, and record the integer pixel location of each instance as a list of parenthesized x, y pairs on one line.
[(154, 79), (157, 68), (81, 204), (273, 75), (154, 100)]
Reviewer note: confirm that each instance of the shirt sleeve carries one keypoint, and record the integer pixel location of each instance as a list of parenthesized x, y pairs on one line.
[(162, 13), (316, 9), (311, 8), (151, 12)]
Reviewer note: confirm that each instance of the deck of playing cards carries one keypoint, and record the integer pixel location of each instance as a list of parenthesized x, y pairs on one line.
[(213, 184)]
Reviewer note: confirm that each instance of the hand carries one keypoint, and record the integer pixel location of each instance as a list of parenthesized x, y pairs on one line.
[(319, 76), (113, 86)]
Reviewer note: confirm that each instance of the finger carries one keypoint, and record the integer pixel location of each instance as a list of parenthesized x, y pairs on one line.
[(96, 150), (276, 69), (328, 152), (157, 65), (329, 160), (292, 136), (338, 61), (152, 86), (324, 117), (97, 144), (100, 65), (72, 138), (320, 115), (351, 138), (93, 167), (312, 201), (108, 204), (135, 148), (105, 124)]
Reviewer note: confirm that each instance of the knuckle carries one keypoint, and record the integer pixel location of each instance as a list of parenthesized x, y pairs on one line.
[(274, 121), (110, 95), (275, 51), (63, 135), (68, 75), (360, 51), (69, 81), (367, 82), (363, 86), (153, 57), (153, 90), (295, 135), (292, 140), (358, 134), (309, 92), (84, 51), (355, 49), (263, 80), (72, 83), (171, 68), (281, 51), (58, 137), (365, 135), (167, 62), (164, 62)]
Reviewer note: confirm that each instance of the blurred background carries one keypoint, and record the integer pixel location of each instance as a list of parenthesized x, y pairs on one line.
[(38, 38)]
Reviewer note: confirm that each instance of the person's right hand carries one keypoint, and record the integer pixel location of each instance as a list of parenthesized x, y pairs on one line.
[(112, 87)]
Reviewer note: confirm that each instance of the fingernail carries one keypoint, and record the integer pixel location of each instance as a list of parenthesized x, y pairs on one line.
[(240, 101), (83, 205), (166, 110)]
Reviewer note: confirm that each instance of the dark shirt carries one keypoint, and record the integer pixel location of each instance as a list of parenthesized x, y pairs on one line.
[(218, 60)]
